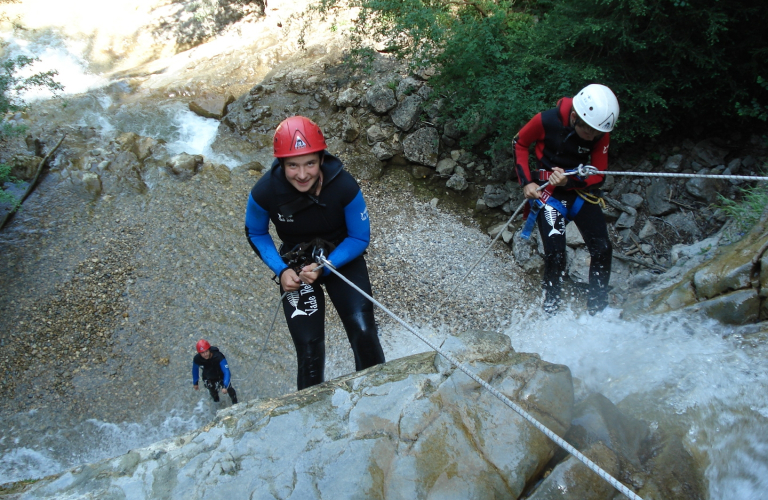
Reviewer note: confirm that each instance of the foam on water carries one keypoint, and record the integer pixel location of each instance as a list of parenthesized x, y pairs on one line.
[(94, 440), (688, 365)]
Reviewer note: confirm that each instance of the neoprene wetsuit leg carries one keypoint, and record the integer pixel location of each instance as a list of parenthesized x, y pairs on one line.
[(591, 223), (356, 313)]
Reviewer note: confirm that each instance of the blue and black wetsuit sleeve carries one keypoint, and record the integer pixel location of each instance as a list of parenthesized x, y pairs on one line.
[(225, 370), (257, 232), (195, 373), (358, 233)]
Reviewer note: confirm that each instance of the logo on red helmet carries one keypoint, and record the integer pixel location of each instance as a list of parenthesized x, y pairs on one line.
[(299, 141)]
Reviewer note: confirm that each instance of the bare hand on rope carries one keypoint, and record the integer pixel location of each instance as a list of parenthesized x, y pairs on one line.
[(310, 273), (290, 281)]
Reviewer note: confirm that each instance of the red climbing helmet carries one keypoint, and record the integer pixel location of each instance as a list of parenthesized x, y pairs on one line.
[(296, 136), (202, 345)]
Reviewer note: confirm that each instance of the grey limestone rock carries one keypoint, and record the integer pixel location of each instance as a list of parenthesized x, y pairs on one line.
[(457, 182), (407, 113), (422, 146), (380, 98)]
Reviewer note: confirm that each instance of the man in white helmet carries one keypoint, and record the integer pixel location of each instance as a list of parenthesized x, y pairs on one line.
[(576, 132)]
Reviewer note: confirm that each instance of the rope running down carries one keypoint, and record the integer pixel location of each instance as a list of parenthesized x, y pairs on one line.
[(520, 411)]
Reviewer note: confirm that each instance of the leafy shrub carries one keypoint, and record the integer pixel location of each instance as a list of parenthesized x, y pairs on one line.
[(5, 176), (748, 210), (671, 63)]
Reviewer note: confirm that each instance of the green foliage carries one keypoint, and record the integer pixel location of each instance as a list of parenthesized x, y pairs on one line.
[(5, 176), (747, 211), (755, 109), (671, 63), (12, 85)]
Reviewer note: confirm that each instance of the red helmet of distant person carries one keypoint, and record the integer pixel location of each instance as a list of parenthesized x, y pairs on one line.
[(203, 345), (296, 136)]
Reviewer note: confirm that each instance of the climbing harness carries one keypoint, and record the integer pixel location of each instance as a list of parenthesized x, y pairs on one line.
[(304, 253), (589, 197), (520, 411)]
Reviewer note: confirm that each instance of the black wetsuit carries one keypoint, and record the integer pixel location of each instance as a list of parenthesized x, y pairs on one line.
[(338, 215), (558, 145), (215, 374)]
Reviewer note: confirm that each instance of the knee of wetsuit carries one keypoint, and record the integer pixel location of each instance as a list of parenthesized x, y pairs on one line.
[(601, 249), (360, 324)]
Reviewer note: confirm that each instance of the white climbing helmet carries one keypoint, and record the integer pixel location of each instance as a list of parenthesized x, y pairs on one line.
[(597, 106)]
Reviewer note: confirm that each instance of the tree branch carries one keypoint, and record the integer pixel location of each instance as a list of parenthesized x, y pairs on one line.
[(32, 184)]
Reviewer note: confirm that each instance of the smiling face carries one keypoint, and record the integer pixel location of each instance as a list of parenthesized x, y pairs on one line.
[(303, 171)]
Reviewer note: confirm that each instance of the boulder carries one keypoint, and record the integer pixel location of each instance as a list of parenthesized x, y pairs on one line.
[(216, 170), (446, 166), (708, 155), (647, 231), (415, 427), (572, 480), (673, 163), (526, 252), (351, 129), (363, 165), (347, 98), (578, 264), (185, 164), (457, 182), (408, 86), (495, 195), (406, 114), (684, 224), (422, 146), (380, 98), (377, 133), (123, 175), (573, 237), (632, 200), (381, 151), (211, 107), (736, 308), (656, 196), (704, 189)]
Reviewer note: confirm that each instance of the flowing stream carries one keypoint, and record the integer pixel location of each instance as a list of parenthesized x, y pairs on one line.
[(710, 378)]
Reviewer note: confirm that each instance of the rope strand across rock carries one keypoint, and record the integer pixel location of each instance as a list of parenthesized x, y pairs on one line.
[(520, 411)]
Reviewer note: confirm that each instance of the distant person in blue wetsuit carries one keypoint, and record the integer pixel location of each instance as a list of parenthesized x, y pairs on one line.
[(314, 203), (216, 375)]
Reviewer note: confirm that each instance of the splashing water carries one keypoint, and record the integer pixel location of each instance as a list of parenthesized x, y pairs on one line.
[(65, 56), (33, 457), (692, 367)]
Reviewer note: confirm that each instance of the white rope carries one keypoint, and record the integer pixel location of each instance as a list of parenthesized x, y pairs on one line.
[(501, 231), (587, 170), (554, 437)]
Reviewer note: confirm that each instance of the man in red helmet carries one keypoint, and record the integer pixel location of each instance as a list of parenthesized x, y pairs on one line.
[(313, 202), (576, 132), (216, 373)]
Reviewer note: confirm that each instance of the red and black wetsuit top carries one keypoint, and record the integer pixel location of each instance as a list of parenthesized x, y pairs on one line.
[(558, 145)]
